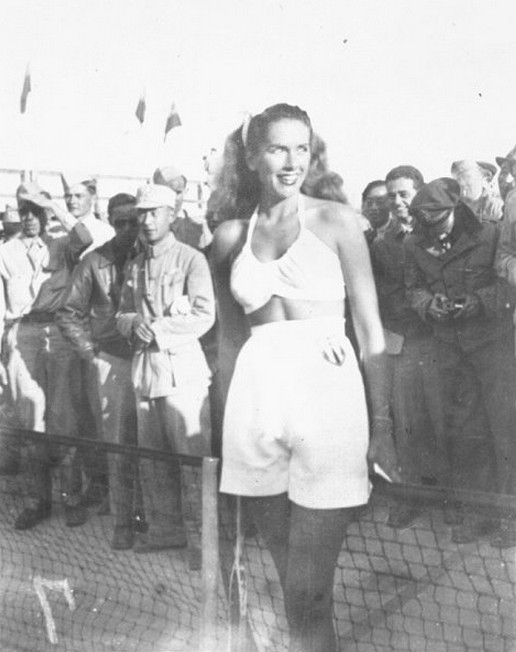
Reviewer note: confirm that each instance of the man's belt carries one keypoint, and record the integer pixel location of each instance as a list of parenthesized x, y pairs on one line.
[(38, 318)]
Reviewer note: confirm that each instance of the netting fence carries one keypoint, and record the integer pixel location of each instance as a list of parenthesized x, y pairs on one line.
[(65, 589), (410, 589)]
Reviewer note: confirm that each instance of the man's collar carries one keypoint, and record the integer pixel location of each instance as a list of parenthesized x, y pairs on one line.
[(385, 227), (399, 227), (109, 252), (157, 249), (39, 241), (86, 218)]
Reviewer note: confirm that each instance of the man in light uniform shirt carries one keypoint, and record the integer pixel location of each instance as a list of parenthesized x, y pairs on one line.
[(38, 363), (167, 304)]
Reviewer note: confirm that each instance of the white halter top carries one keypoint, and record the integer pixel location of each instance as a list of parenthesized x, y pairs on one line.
[(308, 270)]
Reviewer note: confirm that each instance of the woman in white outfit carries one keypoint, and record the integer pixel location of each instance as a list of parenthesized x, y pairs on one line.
[(296, 439)]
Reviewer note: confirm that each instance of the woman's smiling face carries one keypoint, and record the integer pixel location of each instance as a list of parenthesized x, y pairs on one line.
[(283, 158)]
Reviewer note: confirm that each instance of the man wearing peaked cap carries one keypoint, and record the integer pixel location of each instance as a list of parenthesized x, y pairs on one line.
[(507, 176), (474, 178), (452, 284), (436, 196), (167, 304)]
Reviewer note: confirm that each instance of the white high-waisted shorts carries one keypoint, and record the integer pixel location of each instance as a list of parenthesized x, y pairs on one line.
[(295, 422)]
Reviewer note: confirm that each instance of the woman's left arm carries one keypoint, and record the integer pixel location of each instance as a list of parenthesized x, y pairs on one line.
[(361, 290)]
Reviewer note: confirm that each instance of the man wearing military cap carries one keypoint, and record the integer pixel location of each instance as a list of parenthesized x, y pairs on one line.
[(194, 231), (167, 304), (452, 284)]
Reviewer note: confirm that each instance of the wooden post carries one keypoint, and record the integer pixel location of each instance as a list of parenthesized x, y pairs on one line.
[(210, 555)]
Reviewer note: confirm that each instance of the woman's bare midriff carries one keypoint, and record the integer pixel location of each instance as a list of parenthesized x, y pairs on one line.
[(281, 309)]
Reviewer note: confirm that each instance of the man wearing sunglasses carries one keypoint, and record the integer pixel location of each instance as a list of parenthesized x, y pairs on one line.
[(87, 321), (452, 284)]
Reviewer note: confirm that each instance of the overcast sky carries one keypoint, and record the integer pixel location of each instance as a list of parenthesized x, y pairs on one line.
[(385, 82)]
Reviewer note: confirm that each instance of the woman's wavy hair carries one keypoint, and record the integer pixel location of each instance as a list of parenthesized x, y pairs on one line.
[(238, 187), (328, 185)]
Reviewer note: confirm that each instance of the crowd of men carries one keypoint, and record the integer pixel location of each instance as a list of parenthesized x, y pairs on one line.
[(442, 256), (107, 331), (101, 323)]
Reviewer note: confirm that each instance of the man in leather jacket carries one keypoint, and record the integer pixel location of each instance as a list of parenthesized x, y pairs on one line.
[(87, 321)]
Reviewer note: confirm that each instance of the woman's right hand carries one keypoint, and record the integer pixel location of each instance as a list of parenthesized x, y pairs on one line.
[(333, 350), (382, 450)]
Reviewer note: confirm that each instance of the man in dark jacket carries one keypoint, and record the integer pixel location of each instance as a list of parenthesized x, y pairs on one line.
[(452, 284), (87, 321)]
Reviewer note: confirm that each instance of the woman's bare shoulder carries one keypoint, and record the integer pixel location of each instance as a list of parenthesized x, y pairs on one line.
[(323, 214), (228, 236)]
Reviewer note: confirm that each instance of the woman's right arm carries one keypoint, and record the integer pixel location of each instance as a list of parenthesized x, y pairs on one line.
[(233, 329)]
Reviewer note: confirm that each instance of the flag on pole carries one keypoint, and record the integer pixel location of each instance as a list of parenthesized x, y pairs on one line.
[(173, 120), (26, 89), (140, 109)]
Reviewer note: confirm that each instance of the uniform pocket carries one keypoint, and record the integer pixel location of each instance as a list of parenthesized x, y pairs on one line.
[(171, 290)]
